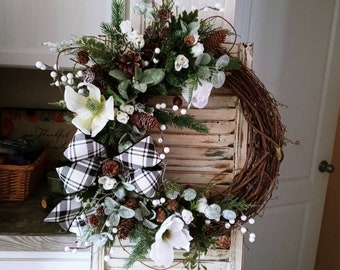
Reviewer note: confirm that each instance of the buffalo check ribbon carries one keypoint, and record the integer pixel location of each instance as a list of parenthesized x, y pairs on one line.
[(141, 163)]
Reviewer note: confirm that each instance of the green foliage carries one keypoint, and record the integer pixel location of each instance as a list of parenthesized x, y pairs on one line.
[(235, 204), (97, 50), (143, 237), (117, 16), (234, 63), (180, 121)]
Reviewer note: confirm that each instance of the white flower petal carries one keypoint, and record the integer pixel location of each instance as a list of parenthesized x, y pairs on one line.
[(162, 254), (73, 100), (98, 123), (84, 125), (94, 92), (109, 109)]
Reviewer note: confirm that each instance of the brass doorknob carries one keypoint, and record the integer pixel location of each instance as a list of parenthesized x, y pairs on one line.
[(324, 166)]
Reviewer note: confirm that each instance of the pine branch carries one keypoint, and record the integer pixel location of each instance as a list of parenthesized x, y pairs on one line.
[(180, 121), (144, 239)]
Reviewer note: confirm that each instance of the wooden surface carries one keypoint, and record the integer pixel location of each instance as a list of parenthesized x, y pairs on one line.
[(22, 227)]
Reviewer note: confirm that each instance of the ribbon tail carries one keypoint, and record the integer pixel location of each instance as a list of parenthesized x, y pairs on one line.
[(65, 212)]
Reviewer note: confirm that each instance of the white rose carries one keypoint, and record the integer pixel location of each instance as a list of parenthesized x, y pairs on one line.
[(197, 49), (187, 216), (139, 42), (129, 109), (125, 27), (202, 204), (107, 182), (181, 62), (122, 117)]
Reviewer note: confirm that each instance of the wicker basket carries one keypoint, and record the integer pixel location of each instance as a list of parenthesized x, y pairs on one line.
[(17, 181)]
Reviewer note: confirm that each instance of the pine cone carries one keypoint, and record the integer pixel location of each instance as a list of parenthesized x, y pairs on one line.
[(224, 241), (110, 168), (150, 33), (171, 205), (213, 41), (125, 227), (88, 75), (160, 215), (93, 220), (163, 32), (128, 62), (164, 14), (131, 203), (144, 121), (82, 57), (177, 101)]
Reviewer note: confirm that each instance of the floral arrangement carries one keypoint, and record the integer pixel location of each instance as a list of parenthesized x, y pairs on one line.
[(114, 177)]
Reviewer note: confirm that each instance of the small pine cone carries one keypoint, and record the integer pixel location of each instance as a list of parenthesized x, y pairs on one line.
[(224, 241), (82, 57), (88, 75), (131, 203), (213, 41), (93, 220), (100, 210), (110, 168), (160, 215), (125, 227), (98, 70), (144, 121), (189, 40), (163, 32), (128, 61), (171, 205), (164, 14), (150, 33)]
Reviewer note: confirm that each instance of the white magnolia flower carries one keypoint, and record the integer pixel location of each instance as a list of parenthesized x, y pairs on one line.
[(129, 109), (202, 204), (200, 95), (92, 111), (181, 62), (197, 49), (122, 117), (107, 182), (125, 27), (171, 234), (187, 216)]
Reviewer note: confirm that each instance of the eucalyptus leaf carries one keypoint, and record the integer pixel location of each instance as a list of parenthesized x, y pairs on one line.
[(203, 59), (229, 214), (149, 224), (184, 27), (128, 186), (213, 211), (153, 76), (120, 192), (111, 203), (193, 27), (123, 88), (138, 73), (141, 87), (97, 240), (118, 74), (114, 219), (145, 211), (189, 194), (126, 212), (108, 235), (122, 146), (218, 79), (204, 72), (138, 214), (172, 194), (222, 62)]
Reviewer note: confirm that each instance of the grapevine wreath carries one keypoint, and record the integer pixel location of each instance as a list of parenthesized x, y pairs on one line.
[(114, 178)]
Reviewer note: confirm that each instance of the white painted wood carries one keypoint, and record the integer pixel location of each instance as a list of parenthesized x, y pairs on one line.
[(227, 11), (44, 260), (26, 24), (296, 56)]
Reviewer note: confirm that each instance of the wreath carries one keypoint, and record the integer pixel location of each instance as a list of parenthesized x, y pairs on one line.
[(114, 178)]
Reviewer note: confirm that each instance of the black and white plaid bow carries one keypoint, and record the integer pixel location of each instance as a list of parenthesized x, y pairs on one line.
[(141, 162)]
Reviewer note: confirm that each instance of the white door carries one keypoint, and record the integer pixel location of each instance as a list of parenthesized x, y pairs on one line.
[(297, 56)]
